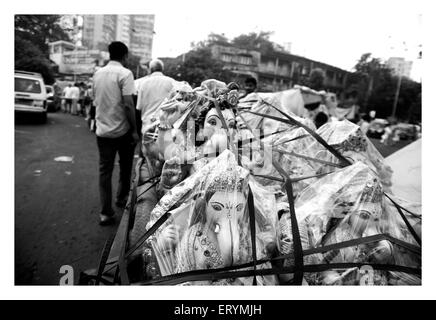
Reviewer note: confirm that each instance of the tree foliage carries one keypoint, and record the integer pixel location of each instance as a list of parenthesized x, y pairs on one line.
[(133, 63), (257, 41), (197, 66), (40, 30), (376, 85), (28, 57), (32, 35), (316, 79)]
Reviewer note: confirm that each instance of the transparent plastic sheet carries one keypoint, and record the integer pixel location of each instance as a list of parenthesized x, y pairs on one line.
[(281, 148), (350, 141), (341, 212), (344, 206), (209, 228), (363, 276)]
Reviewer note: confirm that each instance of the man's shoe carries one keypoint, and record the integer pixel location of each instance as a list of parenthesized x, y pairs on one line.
[(106, 220)]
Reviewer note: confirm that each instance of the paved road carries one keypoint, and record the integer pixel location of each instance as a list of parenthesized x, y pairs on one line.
[(56, 203)]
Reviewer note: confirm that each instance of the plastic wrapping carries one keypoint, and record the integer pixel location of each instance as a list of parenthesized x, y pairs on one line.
[(344, 206), (209, 225), (351, 233), (353, 144)]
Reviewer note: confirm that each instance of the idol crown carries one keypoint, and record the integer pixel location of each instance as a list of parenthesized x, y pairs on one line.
[(228, 180)]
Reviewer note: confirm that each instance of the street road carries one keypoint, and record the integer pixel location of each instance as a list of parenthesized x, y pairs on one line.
[(56, 203)]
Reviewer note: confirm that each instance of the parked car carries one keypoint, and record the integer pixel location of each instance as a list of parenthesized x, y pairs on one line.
[(377, 128), (30, 94), (53, 100), (407, 131)]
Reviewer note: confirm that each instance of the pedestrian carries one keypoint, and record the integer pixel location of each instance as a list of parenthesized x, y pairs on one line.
[(387, 136), (75, 96), (320, 119), (81, 102), (116, 127), (67, 101), (250, 86), (364, 123), (87, 101), (152, 90)]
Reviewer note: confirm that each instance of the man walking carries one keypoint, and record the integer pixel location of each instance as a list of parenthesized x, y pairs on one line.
[(75, 96), (152, 90), (116, 127), (67, 101)]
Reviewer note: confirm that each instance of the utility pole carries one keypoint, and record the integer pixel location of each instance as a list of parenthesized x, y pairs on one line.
[(397, 94)]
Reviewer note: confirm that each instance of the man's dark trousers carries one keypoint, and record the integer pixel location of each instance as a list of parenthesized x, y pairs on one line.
[(108, 148)]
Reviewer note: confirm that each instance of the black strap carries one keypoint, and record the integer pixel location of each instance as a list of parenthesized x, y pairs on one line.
[(292, 140), (317, 137), (122, 263), (252, 230), (296, 239), (406, 221), (292, 153), (264, 115), (216, 274), (103, 258), (298, 249), (149, 232), (365, 240), (262, 136), (149, 187)]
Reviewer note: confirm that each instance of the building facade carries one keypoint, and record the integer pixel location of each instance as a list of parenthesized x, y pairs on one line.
[(243, 63), (400, 66), (277, 71), (136, 31), (99, 31), (75, 60), (141, 35)]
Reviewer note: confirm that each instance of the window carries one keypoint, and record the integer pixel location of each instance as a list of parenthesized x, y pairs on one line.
[(27, 85), (245, 60), (226, 57)]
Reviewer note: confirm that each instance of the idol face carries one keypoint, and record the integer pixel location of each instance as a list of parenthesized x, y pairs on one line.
[(213, 123), (225, 205), (224, 212)]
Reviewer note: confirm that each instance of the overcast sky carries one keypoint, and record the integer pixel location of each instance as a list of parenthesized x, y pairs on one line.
[(336, 32)]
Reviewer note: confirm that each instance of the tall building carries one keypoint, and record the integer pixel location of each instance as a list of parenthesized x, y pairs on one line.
[(136, 31), (123, 29), (141, 35), (400, 66), (99, 31)]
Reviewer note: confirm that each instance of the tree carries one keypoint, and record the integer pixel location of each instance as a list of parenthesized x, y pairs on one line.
[(29, 57), (316, 79), (40, 30), (376, 85), (197, 66), (32, 35), (133, 63), (257, 41)]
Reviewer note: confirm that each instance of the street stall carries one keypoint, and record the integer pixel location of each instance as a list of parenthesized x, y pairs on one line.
[(229, 192)]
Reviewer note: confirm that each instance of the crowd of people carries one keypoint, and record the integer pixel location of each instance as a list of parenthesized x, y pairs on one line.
[(77, 99)]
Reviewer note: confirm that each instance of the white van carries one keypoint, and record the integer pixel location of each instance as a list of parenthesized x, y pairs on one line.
[(30, 94)]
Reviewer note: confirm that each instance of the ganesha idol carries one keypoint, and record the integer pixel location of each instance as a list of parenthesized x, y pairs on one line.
[(210, 228), (354, 145), (348, 205)]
